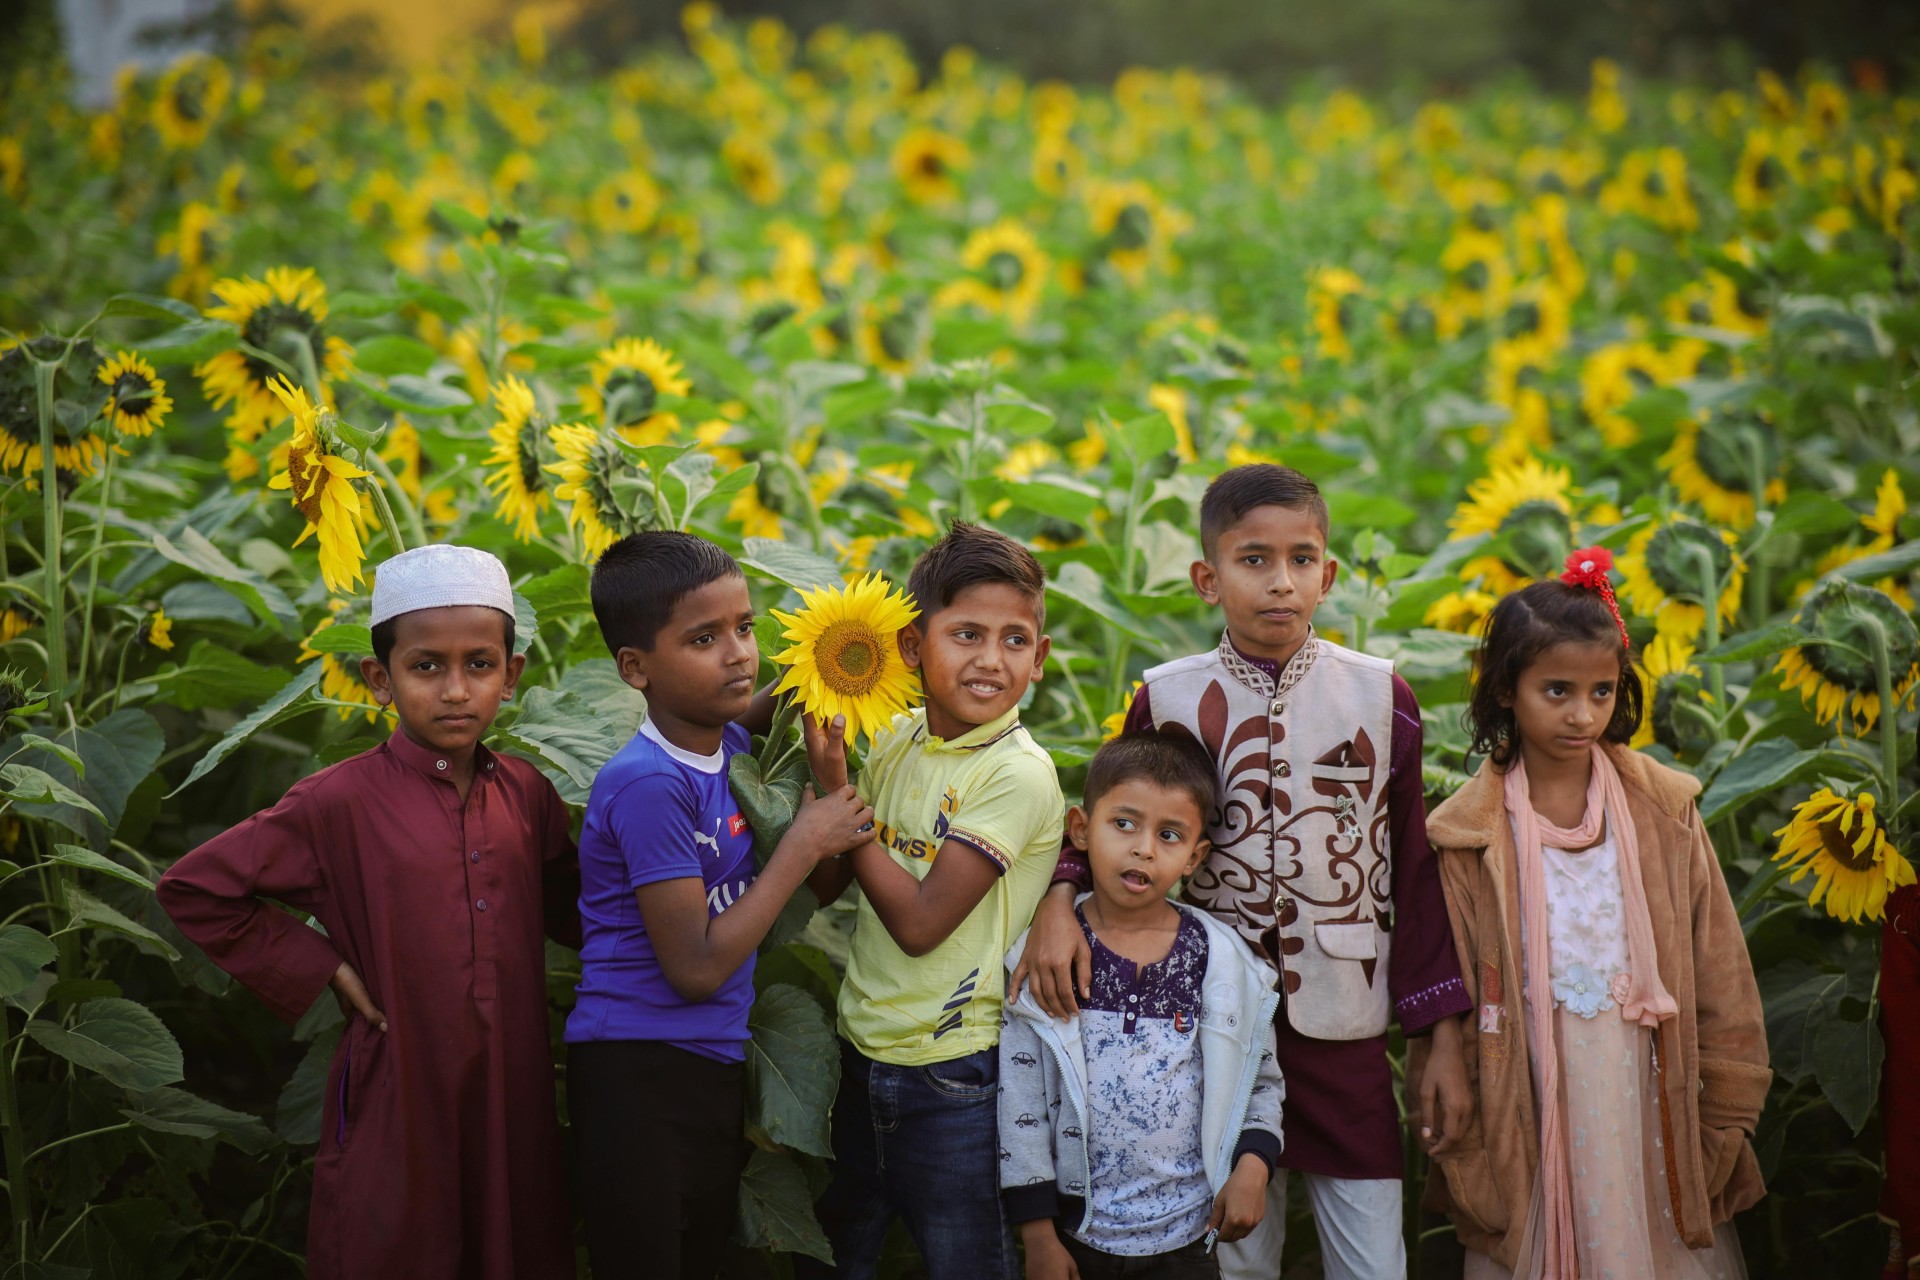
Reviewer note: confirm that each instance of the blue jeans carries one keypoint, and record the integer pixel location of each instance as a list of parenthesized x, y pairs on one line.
[(922, 1143)]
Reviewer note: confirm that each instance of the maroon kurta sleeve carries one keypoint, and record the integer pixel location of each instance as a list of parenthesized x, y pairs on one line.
[(1423, 972), (1072, 867), (560, 876), (216, 895)]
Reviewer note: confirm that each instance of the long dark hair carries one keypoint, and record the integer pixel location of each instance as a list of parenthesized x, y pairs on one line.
[(1522, 627)]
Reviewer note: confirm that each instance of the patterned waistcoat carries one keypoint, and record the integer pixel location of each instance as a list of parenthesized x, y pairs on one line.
[(1302, 861)]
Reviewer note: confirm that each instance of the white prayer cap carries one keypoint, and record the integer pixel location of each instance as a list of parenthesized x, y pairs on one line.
[(436, 576)]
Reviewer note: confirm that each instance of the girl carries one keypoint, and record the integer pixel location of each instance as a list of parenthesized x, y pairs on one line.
[(1620, 1058)]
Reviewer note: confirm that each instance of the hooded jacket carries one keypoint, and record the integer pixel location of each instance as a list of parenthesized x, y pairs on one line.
[(1712, 1056), (1043, 1113)]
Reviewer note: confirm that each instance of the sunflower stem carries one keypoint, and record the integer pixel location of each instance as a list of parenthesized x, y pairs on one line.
[(384, 510), (51, 535), (1889, 718), (93, 570), (1710, 601), (382, 503)]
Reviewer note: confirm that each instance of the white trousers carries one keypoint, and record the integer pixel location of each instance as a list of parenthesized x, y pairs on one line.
[(1359, 1224)]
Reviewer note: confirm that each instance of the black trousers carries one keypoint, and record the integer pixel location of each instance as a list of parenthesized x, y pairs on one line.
[(1191, 1262), (659, 1136)]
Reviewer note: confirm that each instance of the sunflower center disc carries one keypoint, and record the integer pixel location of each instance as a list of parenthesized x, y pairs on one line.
[(847, 655), (1840, 848)]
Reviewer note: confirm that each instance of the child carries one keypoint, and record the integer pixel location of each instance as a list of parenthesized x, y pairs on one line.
[(1318, 858), (424, 859), (968, 812), (1608, 964), (1148, 1125), (672, 913)]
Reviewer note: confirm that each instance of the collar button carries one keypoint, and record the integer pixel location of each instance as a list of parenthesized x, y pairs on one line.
[(440, 765)]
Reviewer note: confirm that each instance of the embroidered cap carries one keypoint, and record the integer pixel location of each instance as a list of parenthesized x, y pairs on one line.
[(437, 576)]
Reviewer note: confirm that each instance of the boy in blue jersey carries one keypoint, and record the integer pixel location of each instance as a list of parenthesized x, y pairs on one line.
[(672, 912)]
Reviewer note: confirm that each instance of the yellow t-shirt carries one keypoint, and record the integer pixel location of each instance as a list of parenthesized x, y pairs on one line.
[(995, 791)]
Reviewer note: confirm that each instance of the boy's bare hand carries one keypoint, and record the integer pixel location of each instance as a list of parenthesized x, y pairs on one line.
[(1446, 1101), (829, 825), (826, 749), (353, 997), (1243, 1201), (1047, 1258), (1057, 964)]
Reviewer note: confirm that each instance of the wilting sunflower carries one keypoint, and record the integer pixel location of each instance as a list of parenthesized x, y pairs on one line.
[(1008, 272), (629, 378), (845, 659), (1330, 297), (588, 462), (1670, 680), (516, 479), (321, 482), (290, 305), (78, 453), (189, 100), (1714, 467), (138, 401), (1531, 506), (927, 163), (1840, 839), (1661, 574), (1841, 678)]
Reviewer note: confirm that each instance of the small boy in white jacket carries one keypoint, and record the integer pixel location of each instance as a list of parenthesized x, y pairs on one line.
[(1137, 1134)]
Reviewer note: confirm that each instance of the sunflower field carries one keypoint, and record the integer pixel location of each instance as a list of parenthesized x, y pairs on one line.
[(263, 324)]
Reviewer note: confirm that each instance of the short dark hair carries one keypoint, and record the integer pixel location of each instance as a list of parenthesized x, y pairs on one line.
[(972, 556), (1171, 760), (1237, 491), (386, 634), (1523, 626), (638, 580)]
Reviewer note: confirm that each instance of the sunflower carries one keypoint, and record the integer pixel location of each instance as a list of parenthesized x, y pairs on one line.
[(1330, 295), (1889, 505), (157, 630), (193, 244), (1461, 611), (138, 401), (340, 674), (753, 167), (1765, 169), (588, 462), (1528, 505), (1136, 228), (1661, 570), (1614, 376), (1172, 401), (1653, 185), (844, 659), (1669, 679), (926, 162), (1025, 460), (1841, 840), (189, 101), (516, 479), (14, 623), (1057, 163), (629, 378), (1714, 467), (78, 454), (321, 483), (1111, 726), (289, 305), (895, 335), (1716, 302), (1841, 677), (1008, 272), (626, 203)]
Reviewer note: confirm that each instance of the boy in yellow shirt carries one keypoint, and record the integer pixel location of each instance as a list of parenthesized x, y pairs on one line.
[(968, 816)]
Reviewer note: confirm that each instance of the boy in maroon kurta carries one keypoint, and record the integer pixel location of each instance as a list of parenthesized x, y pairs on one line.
[(432, 864)]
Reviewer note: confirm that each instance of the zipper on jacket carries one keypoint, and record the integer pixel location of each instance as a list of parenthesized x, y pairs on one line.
[(1666, 1137)]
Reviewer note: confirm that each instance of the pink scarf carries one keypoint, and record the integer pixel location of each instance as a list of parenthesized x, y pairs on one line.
[(1647, 1002)]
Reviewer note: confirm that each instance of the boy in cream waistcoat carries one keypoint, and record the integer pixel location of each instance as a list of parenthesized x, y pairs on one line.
[(1319, 858)]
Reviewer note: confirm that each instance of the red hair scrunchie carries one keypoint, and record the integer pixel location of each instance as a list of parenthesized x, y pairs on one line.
[(1587, 569)]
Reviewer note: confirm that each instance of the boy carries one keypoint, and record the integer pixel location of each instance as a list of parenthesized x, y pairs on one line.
[(1146, 1126), (424, 859), (672, 913), (1319, 858), (968, 815)]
